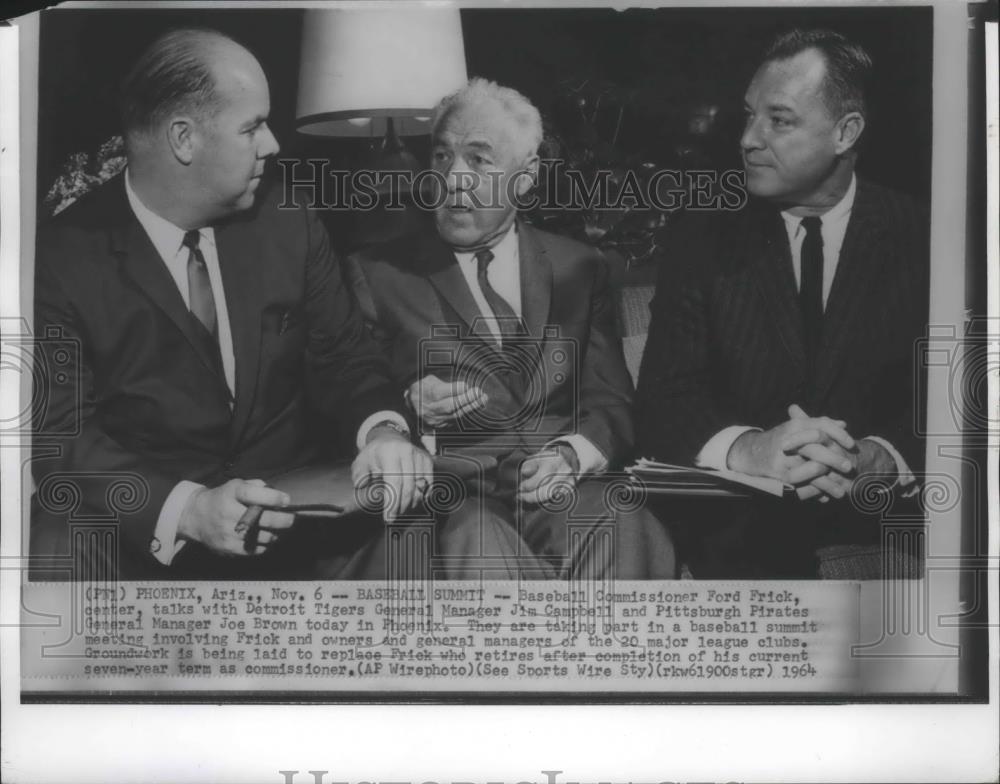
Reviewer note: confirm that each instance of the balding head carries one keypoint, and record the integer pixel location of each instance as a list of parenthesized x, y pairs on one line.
[(177, 74), (196, 107)]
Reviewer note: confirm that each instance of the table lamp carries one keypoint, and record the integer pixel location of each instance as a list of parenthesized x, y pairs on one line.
[(377, 72)]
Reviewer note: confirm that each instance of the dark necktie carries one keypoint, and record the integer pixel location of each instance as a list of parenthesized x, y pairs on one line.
[(811, 289), (202, 303), (516, 362), (507, 320)]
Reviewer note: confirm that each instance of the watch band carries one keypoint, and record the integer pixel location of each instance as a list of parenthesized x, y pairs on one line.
[(573, 459), (393, 425)]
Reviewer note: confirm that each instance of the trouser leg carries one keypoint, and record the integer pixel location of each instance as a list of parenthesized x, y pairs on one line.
[(602, 533)]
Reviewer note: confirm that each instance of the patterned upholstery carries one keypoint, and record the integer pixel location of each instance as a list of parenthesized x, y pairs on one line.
[(633, 316), (634, 287), (867, 562)]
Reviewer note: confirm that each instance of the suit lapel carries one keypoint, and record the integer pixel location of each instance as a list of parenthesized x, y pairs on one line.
[(771, 256), (442, 270), (239, 260), (861, 256), (147, 270), (536, 281)]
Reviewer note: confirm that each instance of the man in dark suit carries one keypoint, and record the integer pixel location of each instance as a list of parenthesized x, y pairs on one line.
[(782, 335), (217, 342), (505, 338)]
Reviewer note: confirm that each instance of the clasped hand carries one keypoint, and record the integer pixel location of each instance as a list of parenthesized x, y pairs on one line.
[(816, 455)]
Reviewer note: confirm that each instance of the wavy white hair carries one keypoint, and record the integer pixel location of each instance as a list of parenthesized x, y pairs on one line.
[(522, 111)]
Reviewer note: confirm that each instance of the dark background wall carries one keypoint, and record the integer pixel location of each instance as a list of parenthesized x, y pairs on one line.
[(685, 56), (655, 64)]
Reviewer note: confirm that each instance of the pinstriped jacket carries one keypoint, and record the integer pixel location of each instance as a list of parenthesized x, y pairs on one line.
[(725, 342)]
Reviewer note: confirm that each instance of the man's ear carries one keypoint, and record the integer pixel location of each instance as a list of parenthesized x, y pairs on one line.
[(849, 130), (527, 175), (180, 137)]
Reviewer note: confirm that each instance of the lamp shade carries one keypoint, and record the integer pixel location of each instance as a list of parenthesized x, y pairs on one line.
[(361, 66)]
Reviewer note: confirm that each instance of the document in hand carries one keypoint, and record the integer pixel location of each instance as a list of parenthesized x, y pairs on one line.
[(684, 480)]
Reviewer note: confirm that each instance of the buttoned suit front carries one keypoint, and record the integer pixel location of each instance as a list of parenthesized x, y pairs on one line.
[(564, 375), (726, 348), (147, 404)]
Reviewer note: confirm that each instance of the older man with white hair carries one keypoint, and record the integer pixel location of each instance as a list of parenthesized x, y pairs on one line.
[(505, 339)]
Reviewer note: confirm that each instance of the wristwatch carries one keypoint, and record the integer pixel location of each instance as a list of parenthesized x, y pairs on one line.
[(392, 424), (569, 454)]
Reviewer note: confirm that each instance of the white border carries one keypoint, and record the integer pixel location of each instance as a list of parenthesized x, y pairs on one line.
[(133, 743)]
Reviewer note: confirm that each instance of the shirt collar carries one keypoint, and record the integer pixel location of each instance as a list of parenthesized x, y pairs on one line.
[(838, 213), (505, 248), (167, 238)]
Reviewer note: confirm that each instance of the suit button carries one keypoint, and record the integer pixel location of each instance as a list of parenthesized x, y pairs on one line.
[(229, 466)]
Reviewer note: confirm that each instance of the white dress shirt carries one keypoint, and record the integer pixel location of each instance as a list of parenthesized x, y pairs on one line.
[(833, 228), (168, 240), (504, 275)]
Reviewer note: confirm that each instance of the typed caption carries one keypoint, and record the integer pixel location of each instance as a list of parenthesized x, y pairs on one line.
[(503, 636)]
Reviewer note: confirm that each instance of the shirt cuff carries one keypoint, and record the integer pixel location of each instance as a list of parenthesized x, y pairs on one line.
[(165, 544), (591, 459), (905, 476), (716, 452), (376, 418), (429, 443)]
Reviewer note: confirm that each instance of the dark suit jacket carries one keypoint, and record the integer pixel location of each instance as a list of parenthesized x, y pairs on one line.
[(581, 383), (726, 345), (147, 404)]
